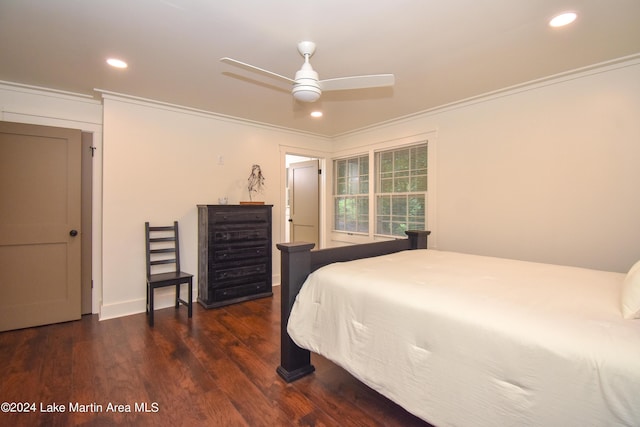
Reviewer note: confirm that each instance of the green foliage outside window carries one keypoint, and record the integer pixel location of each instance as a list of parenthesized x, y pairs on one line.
[(351, 194)]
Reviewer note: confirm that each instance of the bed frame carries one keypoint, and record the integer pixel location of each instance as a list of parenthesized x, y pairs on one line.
[(297, 262)]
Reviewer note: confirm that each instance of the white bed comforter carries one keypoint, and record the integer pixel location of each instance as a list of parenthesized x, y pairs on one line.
[(465, 340)]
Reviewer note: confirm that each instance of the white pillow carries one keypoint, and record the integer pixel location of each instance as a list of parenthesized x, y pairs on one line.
[(631, 293)]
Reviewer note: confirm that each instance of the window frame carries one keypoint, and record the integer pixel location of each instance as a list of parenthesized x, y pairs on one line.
[(359, 148), (349, 195)]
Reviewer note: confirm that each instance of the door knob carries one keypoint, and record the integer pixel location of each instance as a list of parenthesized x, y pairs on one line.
[(73, 233), (290, 220)]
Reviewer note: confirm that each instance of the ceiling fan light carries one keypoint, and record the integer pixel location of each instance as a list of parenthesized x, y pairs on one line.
[(306, 93)]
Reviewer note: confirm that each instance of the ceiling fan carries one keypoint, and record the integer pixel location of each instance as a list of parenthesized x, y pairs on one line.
[(306, 85)]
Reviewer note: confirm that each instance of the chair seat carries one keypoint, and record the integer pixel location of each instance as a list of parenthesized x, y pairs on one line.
[(170, 278)]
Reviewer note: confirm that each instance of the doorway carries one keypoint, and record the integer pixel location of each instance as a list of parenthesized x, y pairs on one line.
[(303, 207)]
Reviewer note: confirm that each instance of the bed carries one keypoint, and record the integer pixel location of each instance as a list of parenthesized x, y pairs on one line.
[(466, 340)]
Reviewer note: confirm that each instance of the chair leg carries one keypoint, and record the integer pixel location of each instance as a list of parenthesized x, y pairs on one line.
[(178, 296), (190, 284), (151, 305)]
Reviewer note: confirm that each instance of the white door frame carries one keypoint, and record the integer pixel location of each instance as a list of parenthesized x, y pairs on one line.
[(322, 188)]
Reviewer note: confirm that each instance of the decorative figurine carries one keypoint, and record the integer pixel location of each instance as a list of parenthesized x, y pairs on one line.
[(255, 181)]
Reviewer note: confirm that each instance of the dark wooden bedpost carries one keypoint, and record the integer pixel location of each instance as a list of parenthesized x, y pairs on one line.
[(295, 266), (418, 239)]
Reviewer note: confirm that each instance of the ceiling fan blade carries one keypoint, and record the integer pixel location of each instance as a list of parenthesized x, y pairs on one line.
[(358, 82), (255, 69)]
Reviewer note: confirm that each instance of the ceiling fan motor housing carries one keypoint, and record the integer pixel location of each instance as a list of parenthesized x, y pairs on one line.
[(306, 87)]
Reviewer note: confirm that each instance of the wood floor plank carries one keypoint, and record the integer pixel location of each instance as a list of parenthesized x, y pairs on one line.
[(217, 368)]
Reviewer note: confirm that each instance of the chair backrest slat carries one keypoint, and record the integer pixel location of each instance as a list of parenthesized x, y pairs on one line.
[(163, 251), (163, 261), (162, 228), (161, 239)]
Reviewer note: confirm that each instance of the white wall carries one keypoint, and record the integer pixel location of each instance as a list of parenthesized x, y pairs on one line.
[(547, 172), (159, 163)]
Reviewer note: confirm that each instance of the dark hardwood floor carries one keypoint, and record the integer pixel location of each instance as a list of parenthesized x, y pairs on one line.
[(216, 369)]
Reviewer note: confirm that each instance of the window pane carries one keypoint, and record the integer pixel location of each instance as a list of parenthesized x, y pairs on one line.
[(398, 228), (386, 162), (386, 186), (416, 206), (401, 185), (401, 160), (419, 157), (363, 206), (364, 185), (384, 205), (418, 183), (399, 205)]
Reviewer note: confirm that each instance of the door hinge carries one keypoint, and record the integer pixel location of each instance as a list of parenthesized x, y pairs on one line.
[(319, 171), (91, 283), (93, 150)]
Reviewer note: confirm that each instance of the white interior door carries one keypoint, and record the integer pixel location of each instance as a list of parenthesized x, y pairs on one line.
[(304, 202)]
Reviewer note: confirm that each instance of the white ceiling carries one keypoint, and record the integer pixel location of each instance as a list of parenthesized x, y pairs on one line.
[(441, 51)]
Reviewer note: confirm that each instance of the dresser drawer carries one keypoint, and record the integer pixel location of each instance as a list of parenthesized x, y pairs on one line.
[(234, 253), (243, 215), (240, 291), (220, 275), (229, 234)]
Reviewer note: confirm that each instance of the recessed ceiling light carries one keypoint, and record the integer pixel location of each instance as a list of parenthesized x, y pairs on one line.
[(563, 19), (117, 63), (316, 114)]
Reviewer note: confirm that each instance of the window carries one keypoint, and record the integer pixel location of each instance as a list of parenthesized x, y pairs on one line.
[(401, 190), (351, 194), (385, 188)]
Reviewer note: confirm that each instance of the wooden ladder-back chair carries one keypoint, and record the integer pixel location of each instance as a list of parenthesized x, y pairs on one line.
[(163, 265)]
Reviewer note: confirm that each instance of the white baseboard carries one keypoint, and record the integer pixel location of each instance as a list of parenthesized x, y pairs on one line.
[(164, 298)]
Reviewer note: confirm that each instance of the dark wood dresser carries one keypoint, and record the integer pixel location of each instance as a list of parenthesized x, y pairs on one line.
[(234, 253)]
